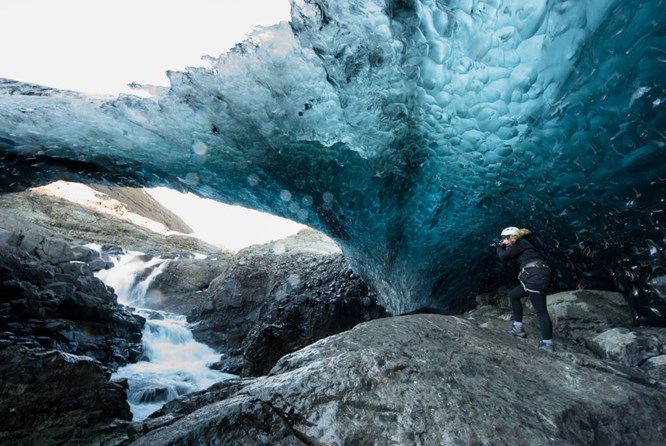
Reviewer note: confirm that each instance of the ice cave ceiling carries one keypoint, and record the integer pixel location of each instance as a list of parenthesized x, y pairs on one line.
[(409, 131)]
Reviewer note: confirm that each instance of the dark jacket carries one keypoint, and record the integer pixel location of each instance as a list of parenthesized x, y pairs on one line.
[(523, 252)]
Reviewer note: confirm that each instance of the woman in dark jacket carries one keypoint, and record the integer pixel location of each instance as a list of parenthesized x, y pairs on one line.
[(517, 246)]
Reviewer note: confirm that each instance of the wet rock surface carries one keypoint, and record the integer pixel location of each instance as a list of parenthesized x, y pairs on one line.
[(58, 304), (184, 282), (49, 397), (423, 380), (272, 299), (62, 333)]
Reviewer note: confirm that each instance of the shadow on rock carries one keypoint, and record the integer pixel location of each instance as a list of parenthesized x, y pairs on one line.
[(62, 333), (421, 379)]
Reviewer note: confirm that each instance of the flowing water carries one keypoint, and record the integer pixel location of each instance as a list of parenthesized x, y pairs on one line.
[(173, 363)]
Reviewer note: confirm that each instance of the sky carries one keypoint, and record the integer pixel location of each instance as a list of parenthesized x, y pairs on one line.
[(100, 46), (231, 227)]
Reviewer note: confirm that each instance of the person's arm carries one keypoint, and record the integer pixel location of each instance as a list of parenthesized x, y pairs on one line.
[(512, 251)]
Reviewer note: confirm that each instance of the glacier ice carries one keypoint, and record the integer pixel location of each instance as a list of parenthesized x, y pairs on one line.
[(409, 131)]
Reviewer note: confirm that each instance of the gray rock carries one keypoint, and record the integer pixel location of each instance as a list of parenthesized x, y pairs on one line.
[(180, 286), (55, 251), (76, 268), (581, 312), (423, 380), (35, 217), (5, 237), (66, 308), (275, 298), (656, 367), (49, 396), (629, 347)]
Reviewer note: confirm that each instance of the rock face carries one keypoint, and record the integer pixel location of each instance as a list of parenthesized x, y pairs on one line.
[(62, 332), (184, 282), (273, 299), (57, 217), (55, 302), (49, 397), (137, 200), (422, 380)]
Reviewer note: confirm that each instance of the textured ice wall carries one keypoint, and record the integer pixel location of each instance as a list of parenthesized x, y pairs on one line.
[(409, 131)]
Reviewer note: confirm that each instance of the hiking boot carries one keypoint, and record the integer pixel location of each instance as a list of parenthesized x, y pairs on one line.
[(515, 331), (548, 348)]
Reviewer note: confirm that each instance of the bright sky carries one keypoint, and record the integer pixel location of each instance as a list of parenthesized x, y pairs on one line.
[(232, 227), (101, 46)]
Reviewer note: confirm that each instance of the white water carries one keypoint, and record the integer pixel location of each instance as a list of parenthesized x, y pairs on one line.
[(173, 363)]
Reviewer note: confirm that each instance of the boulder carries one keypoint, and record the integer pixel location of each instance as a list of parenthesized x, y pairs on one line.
[(656, 367), (421, 379), (62, 333), (48, 396), (181, 286), (631, 347), (581, 313)]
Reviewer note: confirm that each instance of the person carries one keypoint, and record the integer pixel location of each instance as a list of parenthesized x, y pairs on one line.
[(518, 246)]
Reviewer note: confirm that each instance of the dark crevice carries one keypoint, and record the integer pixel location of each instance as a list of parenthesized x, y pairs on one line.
[(289, 422)]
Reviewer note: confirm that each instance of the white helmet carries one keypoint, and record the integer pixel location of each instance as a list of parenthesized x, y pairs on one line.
[(511, 230)]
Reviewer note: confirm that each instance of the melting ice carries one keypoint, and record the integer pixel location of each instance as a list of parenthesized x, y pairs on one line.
[(411, 132)]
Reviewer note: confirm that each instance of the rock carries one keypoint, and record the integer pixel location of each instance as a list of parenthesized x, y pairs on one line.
[(180, 286), (310, 313), (139, 201), (630, 347), (62, 333), (35, 216), (66, 308), (656, 367), (422, 379), (48, 396), (76, 268), (275, 298), (581, 312)]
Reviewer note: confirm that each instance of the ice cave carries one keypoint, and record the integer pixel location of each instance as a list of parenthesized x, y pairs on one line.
[(410, 131)]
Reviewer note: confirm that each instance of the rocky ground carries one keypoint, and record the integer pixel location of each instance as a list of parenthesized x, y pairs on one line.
[(60, 218), (62, 333), (267, 300), (321, 362), (58, 322), (443, 380)]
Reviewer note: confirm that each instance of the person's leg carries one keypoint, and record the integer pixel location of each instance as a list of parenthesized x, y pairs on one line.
[(541, 310), (515, 295)]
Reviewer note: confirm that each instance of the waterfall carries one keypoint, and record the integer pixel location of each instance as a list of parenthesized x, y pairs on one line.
[(131, 275), (173, 363)]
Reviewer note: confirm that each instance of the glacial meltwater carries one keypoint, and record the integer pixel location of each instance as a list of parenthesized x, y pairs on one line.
[(173, 363)]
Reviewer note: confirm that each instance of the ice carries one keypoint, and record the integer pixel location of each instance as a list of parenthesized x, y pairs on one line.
[(410, 132)]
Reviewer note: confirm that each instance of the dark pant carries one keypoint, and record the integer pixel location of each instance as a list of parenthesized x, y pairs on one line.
[(539, 304)]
